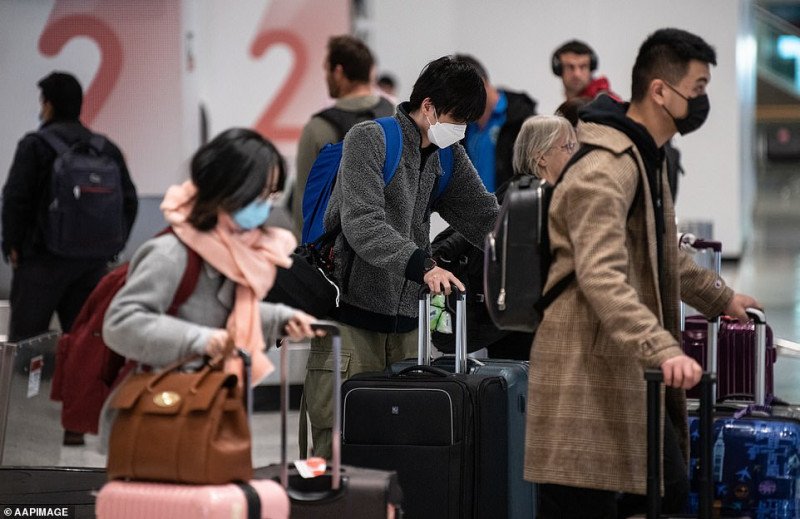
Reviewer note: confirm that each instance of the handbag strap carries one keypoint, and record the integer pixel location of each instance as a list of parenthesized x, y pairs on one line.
[(214, 364)]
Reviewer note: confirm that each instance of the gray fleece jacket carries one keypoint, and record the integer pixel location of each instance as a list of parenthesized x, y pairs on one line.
[(385, 237)]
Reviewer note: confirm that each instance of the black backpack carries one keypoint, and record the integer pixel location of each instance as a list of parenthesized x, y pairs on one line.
[(85, 212), (343, 120), (517, 253)]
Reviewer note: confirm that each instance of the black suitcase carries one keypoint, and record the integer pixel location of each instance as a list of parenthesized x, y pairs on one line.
[(520, 494), (344, 492), (426, 423), (654, 379)]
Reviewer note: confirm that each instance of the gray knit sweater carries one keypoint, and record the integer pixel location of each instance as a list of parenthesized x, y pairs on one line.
[(137, 325), (386, 229)]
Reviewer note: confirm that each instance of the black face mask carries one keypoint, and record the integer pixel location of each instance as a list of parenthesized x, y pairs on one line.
[(697, 112)]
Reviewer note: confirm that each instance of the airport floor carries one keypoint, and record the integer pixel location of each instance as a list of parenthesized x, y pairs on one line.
[(769, 269)]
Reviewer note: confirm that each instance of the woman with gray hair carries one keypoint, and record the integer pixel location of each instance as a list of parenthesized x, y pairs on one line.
[(544, 146)]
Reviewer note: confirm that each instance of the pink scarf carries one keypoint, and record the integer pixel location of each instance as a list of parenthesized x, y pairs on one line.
[(248, 258)]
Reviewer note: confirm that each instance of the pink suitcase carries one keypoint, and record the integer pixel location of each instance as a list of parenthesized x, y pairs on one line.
[(134, 500)]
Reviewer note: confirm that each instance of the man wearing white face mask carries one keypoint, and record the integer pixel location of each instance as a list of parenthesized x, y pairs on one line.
[(382, 254)]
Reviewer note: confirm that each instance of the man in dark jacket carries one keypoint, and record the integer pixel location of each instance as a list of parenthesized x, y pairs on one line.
[(490, 140), (44, 282)]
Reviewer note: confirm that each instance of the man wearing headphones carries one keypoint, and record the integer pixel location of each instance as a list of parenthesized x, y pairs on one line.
[(574, 62)]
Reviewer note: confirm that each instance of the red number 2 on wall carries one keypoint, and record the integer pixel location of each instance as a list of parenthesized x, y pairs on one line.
[(58, 33), (304, 29), (268, 124)]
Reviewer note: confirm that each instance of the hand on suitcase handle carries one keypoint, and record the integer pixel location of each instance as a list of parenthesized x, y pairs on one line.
[(744, 308), (438, 279), (329, 327), (681, 372)]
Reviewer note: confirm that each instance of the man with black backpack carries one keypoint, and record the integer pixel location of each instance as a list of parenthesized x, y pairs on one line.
[(348, 70), (68, 208)]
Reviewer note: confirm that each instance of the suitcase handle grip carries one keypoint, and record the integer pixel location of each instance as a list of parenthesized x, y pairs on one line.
[(700, 243), (424, 368), (757, 315), (424, 291)]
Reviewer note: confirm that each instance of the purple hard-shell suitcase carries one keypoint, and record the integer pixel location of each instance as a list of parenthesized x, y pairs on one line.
[(735, 352), (733, 342)]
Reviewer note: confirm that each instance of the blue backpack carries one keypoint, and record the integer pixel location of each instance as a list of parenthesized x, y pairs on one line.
[(322, 176)]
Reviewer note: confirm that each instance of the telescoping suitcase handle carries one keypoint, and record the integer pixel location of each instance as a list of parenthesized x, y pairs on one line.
[(760, 321), (332, 329), (654, 379), (698, 244), (460, 325)]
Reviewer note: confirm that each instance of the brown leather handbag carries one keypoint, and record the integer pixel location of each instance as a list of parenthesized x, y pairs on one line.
[(181, 427)]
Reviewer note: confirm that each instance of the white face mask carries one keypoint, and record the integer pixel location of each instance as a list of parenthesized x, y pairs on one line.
[(445, 134)]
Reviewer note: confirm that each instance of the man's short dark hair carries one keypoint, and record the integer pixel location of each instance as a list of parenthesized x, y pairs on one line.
[(353, 55), (387, 80), (64, 92), (454, 86), (666, 54), (467, 58), (574, 47)]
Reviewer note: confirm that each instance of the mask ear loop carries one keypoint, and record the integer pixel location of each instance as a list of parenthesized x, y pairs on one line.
[(435, 116)]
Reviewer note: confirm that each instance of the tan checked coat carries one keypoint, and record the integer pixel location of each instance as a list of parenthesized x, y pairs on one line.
[(586, 407)]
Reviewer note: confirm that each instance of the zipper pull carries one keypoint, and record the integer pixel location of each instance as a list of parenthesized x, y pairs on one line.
[(501, 299), (76, 192), (492, 246)]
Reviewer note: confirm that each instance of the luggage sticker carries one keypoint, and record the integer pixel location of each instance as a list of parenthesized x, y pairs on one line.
[(35, 375)]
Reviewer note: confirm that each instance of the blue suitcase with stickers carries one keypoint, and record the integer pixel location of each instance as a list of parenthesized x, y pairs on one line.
[(755, 451)]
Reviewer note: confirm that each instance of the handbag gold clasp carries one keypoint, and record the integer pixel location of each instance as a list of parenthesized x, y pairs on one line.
[(166, 399)]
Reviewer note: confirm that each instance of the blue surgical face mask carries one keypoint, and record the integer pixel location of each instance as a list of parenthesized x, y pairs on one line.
[(253, 214)]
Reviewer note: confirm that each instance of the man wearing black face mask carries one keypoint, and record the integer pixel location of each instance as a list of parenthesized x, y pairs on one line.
[(612, 227)]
